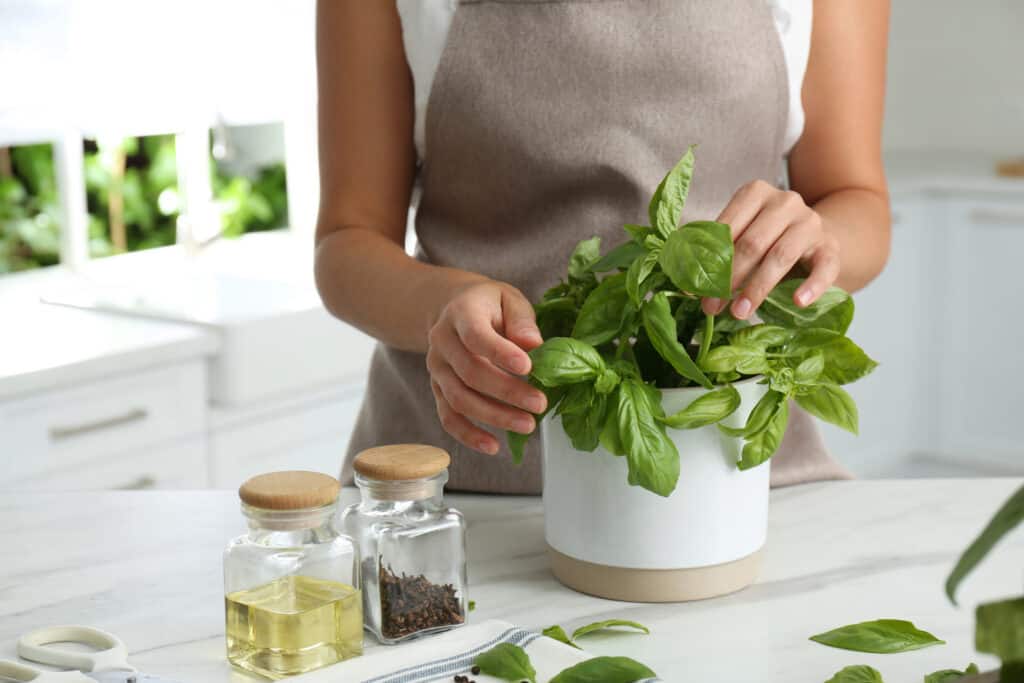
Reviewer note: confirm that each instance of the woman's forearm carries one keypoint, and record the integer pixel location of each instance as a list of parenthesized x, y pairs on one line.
[(369, 281), (859, 219)]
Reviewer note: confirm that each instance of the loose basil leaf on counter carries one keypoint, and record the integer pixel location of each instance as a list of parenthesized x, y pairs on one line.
[(619, 258), (652, 457), (605, 670), (749, 360), (603, 312), (882, 636), (856, 674), (950, 675), (1004, 521), (763, 444), (508, 662), (660, 326), (698, 259), (556, 632), (830, 403), (998, 631), (832, 311), (707, 409), (583, 257), (609, 624), (666, 207), (472, 605), (762, 335), (563, 360)]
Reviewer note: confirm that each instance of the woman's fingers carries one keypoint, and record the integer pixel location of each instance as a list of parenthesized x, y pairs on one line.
[(799, 239), (464, 431), (519, 320), (480, 374), (476, 330), (471, 404), (824, 269), (780, 212), (745, 205)]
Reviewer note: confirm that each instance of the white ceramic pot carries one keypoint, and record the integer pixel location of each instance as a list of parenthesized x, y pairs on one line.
[(623, 542)]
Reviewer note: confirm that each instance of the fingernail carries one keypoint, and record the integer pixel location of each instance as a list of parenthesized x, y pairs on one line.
[(536, 404), (803, 296), (741, 308), (523, 426), (488, 447), (518, 364)]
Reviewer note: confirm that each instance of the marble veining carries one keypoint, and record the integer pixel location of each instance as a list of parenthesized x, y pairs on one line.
[(147, 566)]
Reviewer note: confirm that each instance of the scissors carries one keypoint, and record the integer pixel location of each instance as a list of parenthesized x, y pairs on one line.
[(108, 664)]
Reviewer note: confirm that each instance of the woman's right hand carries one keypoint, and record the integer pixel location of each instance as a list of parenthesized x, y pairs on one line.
[(476, 356)]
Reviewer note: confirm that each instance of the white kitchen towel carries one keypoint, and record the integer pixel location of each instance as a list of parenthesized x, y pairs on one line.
[(439, 658)]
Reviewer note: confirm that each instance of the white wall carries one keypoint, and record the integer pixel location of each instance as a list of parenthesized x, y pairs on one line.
[(956, 76)]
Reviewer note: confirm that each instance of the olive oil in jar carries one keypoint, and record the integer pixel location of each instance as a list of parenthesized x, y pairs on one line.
[(292, 625)]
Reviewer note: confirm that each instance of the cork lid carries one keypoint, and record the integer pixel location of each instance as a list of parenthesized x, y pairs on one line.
[(401, 462), (292, 490)]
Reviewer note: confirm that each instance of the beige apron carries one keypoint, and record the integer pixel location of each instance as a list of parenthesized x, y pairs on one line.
[(551, 121)]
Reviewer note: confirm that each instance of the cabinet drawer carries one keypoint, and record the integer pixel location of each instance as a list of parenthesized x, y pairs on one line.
[(177, 465), (66, 428)]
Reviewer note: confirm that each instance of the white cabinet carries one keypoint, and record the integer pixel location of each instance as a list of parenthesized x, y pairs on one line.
[(125, 430), (310, 433)]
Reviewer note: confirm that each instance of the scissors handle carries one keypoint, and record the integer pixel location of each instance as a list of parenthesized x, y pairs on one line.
[(19, 672), (111, 653)]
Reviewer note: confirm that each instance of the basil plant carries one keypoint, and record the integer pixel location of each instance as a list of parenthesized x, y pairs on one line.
[(628, 323)]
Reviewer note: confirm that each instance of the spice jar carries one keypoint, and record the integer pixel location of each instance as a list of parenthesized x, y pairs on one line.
[(413, 547), (291, 584)]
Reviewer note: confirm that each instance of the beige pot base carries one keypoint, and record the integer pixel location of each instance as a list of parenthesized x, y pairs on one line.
[(655, 585)]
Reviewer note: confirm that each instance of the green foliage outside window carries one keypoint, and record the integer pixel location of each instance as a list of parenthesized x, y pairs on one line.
[(132, 199)]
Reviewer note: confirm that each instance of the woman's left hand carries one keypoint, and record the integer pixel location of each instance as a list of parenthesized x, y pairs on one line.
[(774, 230)]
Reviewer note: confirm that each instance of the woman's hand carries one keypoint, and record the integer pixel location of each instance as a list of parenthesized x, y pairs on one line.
[(476, 349), (774, 230)]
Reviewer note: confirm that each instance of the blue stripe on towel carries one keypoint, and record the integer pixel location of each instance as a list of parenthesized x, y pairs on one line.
[(460, 663)]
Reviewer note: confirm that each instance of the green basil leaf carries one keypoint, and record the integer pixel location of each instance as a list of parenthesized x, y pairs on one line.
[(809, 368), (781, 379), (671, 195), (1005, 520), (749, 360), (638, 232), (558, 633), (762, 445), (698, 259), (602, 315), (517, 444), (1000, 629), (556, 316), (563, 360), (517, 441), (832, 311), (607, 381), (637, 274), (759, 417), (583, 423), (845, 362), (508, 662), (619, 257), (654, 242), (832, 404), (609, 438), (605, 670), (950, 675), (762, 335), (583, 257), (882, 636), (609, 624), (652, 457), (472, 605), (705, 410), (652, 206), (660, 326), (859, 673)]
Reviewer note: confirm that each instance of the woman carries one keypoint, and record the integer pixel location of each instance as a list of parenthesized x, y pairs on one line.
[(537, 124)]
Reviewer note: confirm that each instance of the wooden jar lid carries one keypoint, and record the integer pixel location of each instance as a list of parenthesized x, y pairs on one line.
[(401, 462), (292, 490)]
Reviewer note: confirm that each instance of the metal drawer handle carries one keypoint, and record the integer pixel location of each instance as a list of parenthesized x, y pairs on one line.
[(71, 431), (996, 217)]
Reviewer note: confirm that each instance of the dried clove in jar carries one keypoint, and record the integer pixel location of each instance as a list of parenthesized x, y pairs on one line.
[(412, 603)]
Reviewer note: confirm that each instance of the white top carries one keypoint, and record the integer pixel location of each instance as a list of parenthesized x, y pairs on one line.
[(425, 25)]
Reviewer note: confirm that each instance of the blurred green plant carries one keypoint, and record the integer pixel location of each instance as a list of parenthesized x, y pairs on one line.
[(131, 195)]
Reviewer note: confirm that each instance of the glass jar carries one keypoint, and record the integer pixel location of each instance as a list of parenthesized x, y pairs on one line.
[(291, 584), (413, 547)]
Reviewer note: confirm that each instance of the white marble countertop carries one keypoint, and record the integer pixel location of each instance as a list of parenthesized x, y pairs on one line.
[(147, 566)]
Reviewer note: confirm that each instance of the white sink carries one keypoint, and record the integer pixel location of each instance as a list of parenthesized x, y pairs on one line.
[(257, 293)]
